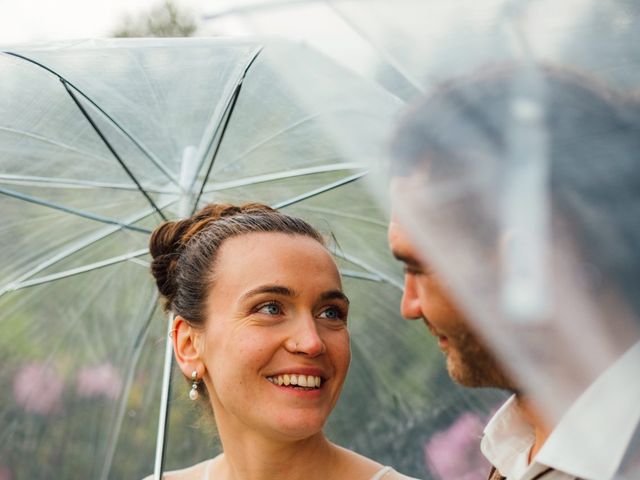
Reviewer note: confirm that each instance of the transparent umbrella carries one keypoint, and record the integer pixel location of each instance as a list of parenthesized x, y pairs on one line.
[(520, 188), (101, 141), (525, 196)]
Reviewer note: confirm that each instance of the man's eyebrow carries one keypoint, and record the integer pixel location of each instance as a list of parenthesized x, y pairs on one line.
[(273, 289), (334, 295)]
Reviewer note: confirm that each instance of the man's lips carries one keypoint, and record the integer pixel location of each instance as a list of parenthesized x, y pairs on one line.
[(443, 341)]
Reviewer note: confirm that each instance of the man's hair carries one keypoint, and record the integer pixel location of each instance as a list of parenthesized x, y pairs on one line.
[(593, 135)]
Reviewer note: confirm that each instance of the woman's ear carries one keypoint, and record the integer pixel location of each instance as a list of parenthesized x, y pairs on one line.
[(187, 347)]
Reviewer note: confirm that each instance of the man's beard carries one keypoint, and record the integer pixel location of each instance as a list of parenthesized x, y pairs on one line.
[(471, 364)]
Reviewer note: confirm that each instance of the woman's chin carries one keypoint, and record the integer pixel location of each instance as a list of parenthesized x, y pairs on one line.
[(297, 427)]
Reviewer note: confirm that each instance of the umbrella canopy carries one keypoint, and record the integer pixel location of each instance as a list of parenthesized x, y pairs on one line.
[(522, 160), (100, 141), (528, 233)]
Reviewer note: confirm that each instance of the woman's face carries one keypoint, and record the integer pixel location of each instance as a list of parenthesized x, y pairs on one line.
[(276, 316)]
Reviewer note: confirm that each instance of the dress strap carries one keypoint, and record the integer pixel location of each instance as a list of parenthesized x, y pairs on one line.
[(207, 467), (381, 473)]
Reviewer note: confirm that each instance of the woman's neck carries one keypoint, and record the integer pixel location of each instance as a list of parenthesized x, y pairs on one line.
[(250, 456)]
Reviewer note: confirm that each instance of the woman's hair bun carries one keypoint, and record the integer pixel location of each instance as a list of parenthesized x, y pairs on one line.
[(169, 239)]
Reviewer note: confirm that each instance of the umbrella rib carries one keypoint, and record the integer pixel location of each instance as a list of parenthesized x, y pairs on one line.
[(282, 131), (161, 166), (357, 261), (385, 56), (154, 95), (78, 270), (73, 211), (318, 191), (271, 137), (111, 149), (360, 218), (269, 177), (124, 397), (53, 182), (53, 142), (360, 275), (76, 248), (227, 117)]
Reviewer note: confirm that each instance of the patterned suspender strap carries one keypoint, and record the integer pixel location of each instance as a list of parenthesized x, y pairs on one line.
[(494, 474), (542, 473)]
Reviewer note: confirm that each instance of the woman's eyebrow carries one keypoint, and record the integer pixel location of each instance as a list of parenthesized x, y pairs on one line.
[(334, 295), (273, 289)]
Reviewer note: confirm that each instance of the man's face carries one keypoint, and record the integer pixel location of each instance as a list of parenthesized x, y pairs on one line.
[(426, 297)]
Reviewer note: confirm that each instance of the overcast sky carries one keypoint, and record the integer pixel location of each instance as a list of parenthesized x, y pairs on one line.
[(46, 20)]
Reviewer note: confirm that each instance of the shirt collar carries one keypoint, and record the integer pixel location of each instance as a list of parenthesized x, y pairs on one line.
[(507, 440), (593, 435)]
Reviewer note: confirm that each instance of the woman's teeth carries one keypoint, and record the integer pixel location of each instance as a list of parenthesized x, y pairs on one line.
[(292, 379)]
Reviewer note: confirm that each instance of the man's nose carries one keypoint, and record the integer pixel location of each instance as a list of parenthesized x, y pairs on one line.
[(410, 303)]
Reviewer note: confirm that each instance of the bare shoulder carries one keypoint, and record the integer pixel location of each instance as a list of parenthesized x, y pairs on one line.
[(359, 466), (354, 464), (194, 472)]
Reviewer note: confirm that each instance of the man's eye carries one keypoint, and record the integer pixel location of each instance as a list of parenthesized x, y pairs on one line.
[(412, 270), (270, 309)]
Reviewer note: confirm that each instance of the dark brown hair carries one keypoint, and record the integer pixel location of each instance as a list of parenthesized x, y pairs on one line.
[(184, 251)]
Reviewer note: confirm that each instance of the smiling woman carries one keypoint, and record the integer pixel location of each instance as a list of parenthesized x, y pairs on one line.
[(260, 331)]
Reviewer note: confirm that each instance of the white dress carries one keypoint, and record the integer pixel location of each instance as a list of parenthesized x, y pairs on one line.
[(379, 475)]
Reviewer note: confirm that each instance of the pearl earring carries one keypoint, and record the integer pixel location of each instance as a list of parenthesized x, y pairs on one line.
[(193, 393)]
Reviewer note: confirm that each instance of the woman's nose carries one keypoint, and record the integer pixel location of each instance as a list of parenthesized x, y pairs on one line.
[(306, 339)]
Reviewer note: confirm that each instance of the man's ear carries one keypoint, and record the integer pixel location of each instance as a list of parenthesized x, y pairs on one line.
[(187, 346)]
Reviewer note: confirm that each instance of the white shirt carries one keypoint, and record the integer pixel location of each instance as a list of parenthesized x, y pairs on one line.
[(588, 442)]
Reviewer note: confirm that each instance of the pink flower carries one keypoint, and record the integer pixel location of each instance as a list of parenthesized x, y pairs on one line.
[(5, 473), (38, 389), (99, 381), (455, 452)]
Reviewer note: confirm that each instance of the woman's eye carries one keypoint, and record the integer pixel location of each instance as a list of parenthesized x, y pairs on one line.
[(333, 313), (270, 309)]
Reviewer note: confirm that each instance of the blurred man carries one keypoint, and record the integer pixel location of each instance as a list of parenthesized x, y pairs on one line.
[(457, 140)]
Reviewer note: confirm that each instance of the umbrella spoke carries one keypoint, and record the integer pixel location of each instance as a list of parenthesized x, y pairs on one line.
[(92, 239), (78, 270), (224, 123), (319, 191), (49, 141), (159, 164), (222, 128), (52, 182), (111, 149), (392, 63), (270, 177), (280, 132), (73, 211), (351, 216), (124, 396), (154, 94), (372, 271), (360, 275)]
